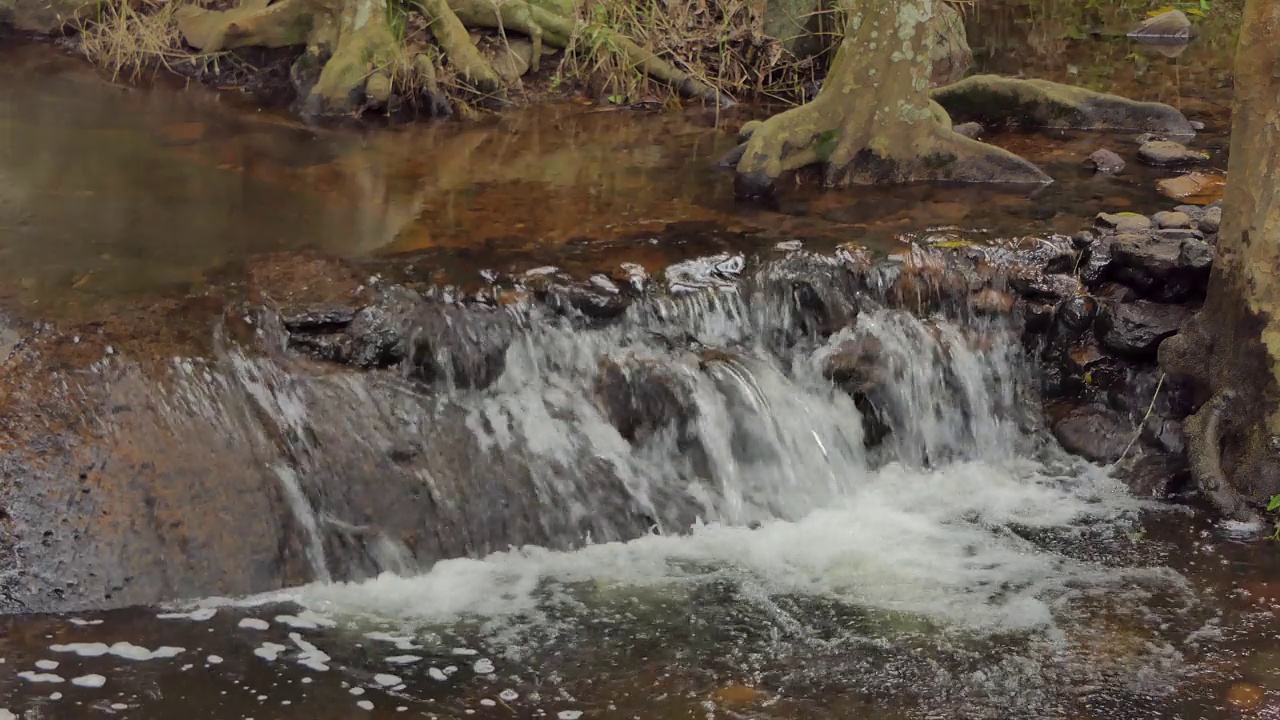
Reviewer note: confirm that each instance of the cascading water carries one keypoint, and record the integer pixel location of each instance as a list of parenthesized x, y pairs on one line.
[(852, 485)]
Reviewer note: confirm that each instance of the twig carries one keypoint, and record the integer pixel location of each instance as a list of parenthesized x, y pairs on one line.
[(1142, 423)]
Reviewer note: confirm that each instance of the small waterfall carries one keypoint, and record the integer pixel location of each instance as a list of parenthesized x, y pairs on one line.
[(734, 404)]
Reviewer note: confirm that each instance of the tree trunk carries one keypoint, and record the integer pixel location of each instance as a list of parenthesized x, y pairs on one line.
[(1231, 349), (873, 120)]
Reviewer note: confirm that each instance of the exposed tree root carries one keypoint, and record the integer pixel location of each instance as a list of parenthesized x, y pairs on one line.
[(873, 120), (353, 55), (1206, 434), (994, 100)]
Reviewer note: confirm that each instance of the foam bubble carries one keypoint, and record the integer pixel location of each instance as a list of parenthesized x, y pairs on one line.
[(198, 615), (269, 650), (403, 659), (89, 681), (47, 664), (254, 624), (364, 705), (386, 680), (36, 677), (306, 620)]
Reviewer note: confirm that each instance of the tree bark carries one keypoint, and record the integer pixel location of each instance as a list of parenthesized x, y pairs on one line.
[(1231, 349), (873, 121)]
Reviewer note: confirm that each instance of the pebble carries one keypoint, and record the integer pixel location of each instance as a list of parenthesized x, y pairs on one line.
[(1245, 696)]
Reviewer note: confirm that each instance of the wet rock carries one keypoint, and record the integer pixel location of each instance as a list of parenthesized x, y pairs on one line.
[(1123, 222), (1159, 267), (1083, 239), (598, 299), (1115, 292), (816, 293), (461, 347), (715, 271), (970, 130), (1106, 161), (1193, 187), (1135, 329), (1156, 475), (1168, 219), (1037, 317), (1071, 319), (1211, 221), (993, 302), (1184, 234), (1093, 432), (1167, 153), (1045, 287), (640, 397), (1096, 263), (1165, 433), (857, 363), (1171, 25), (313, 320)]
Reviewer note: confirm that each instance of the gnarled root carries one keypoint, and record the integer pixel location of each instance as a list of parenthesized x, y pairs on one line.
[(1206, 433), (873, 120), (351, 58), (994, 100), (558, 30)]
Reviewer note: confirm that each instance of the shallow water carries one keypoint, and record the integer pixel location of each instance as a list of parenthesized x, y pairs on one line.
[(968, 570)]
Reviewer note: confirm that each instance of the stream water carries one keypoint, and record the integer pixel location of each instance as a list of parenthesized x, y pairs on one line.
[(752, 558)]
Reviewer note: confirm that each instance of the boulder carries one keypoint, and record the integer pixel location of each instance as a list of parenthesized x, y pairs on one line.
[(1094, 433), (1160, 267), (1106, 161), (1167, 153), (1135, 329), (640, 397)]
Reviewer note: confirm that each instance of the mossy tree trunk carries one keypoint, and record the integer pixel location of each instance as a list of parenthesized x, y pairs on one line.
[(873, 121), (1231, 349)]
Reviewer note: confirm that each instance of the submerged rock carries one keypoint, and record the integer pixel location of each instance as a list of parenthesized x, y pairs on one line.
[(1167, 153), (1136, 329), (1194, 187), (1125, 221), (1093, 432), (1106, 161)]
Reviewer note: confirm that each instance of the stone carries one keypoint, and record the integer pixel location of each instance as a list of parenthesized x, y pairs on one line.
[(856, 364), (1083, 239), (1093, 432), (1160, 267), (1171, 25), (1211, 220), (1182, 234), (1070, 321), (1167, 153), (1156, 475), (1194, 187), (993, 302), (1168, 219), (1106, 161), (1165, 434), (512, 59), (970, 129), (1096, 264), (1135, 329), (640, 397), (1040, 286), (1244, 696), (1123, 222)]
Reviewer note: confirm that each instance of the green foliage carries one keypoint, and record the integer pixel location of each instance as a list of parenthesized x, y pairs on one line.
[(1274, 506)]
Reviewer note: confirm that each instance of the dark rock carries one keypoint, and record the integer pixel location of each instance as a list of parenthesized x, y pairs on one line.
[(1115, 292), (993, 302), (1196, 255), (1093, 432), (1166, 153), (1192, 211), (459, 346), (1174, 219), (1211, 219), (1106, 161), (1045, 287), (1135, 329), (970, 129), (1165, 433), (640, 397), (1123, 222), (857, 364), (376, 332), (1037, 317), (1157, 476), (1070, 321), (1096, 263), (1083, 239), (1157, 266), (316, 319), (1182, 234)]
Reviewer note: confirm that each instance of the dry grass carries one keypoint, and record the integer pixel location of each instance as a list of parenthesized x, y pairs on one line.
[(129, 40), (721, 43)]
